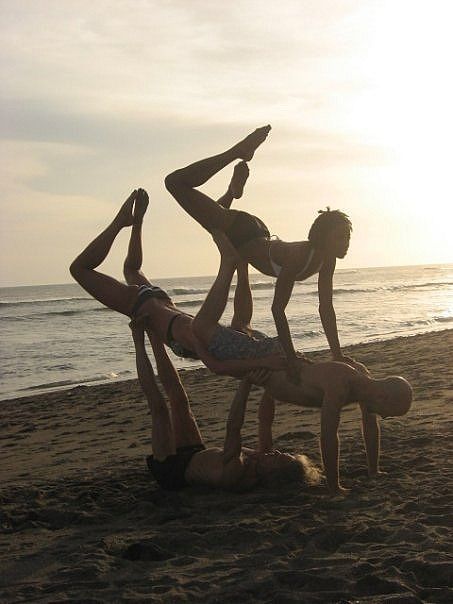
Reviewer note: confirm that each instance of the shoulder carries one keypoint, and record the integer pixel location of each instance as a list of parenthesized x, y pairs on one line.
[(328, 264)]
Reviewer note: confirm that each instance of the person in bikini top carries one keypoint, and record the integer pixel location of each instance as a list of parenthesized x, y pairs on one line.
[(287, 261)]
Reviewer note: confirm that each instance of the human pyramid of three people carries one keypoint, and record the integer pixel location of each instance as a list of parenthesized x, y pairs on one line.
[(180, 457)]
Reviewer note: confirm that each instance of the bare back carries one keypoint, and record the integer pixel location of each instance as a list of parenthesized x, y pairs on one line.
[(315, 380)]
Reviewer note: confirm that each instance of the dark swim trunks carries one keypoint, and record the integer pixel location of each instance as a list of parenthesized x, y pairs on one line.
[(169, 474), (145, 292), (246, 227)]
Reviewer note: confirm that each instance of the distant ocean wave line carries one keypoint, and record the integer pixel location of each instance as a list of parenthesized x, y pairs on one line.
[(198, 301), (45, 301), (65, 383), (56, 313)]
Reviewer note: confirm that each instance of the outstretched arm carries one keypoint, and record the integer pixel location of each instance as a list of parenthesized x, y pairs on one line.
[(372, 437), (330, 444), (283, 290), (232, 445), (326, 310), (266, 413)]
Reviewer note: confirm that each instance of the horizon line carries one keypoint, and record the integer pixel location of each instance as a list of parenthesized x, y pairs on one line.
[(252, 272)]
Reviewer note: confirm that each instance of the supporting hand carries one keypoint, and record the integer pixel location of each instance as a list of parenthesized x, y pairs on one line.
[(339, 491)]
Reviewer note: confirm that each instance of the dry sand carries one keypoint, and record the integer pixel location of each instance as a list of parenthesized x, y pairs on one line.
[(83, 521)]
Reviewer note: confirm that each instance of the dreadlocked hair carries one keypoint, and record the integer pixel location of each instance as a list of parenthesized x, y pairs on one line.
[(326, 221)]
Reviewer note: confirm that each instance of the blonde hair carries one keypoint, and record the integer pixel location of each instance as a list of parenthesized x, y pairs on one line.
[(298, 469)]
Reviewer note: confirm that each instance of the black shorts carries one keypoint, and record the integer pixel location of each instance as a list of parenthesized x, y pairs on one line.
[(145, 292), (246, 227), (169, 474)]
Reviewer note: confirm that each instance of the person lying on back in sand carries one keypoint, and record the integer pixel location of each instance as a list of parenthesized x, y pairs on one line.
[(180, 457), (329, 386), (328, 240)]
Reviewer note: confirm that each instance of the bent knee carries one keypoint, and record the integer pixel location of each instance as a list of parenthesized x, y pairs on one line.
[(174, 181), (75, 269)]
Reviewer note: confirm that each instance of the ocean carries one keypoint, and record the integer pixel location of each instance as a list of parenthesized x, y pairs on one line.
[(57, 336)]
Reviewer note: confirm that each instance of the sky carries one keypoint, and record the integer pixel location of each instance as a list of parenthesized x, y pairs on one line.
[(99, 98)]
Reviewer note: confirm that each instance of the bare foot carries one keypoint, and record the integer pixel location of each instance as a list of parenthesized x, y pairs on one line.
[(125, 217), (226, 248), (141, 203), (240, 174), (247, 147)]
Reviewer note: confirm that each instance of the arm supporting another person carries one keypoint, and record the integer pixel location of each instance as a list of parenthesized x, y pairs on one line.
[(283, 289), (330, 443), (233, 443), (326, 309), (371, 437), (266, 412)]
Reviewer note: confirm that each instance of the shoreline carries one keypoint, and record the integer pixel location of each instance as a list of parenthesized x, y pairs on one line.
[(82, 519), (322, 354)]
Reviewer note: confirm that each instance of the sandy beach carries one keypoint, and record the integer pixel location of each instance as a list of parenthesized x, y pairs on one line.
[(82, 520)]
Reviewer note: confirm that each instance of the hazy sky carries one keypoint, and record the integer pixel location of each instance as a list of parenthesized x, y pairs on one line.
[(101, 97)]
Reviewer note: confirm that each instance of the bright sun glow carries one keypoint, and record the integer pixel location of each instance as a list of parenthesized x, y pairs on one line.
[(407, 106)]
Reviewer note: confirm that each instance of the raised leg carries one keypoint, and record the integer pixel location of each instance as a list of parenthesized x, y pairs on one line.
[(243, 302), (185, 428), (207, 318), (134, 259), (236, 186), (162, 430), (106, 289), (181, 183)]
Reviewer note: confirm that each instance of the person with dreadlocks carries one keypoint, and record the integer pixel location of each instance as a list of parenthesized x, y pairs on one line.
[(328, 239)]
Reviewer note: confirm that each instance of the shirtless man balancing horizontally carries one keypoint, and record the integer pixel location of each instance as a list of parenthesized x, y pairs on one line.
[(329, 386), (328, 240)]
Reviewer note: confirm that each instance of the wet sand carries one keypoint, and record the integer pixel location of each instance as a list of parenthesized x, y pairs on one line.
[(82, 520)]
